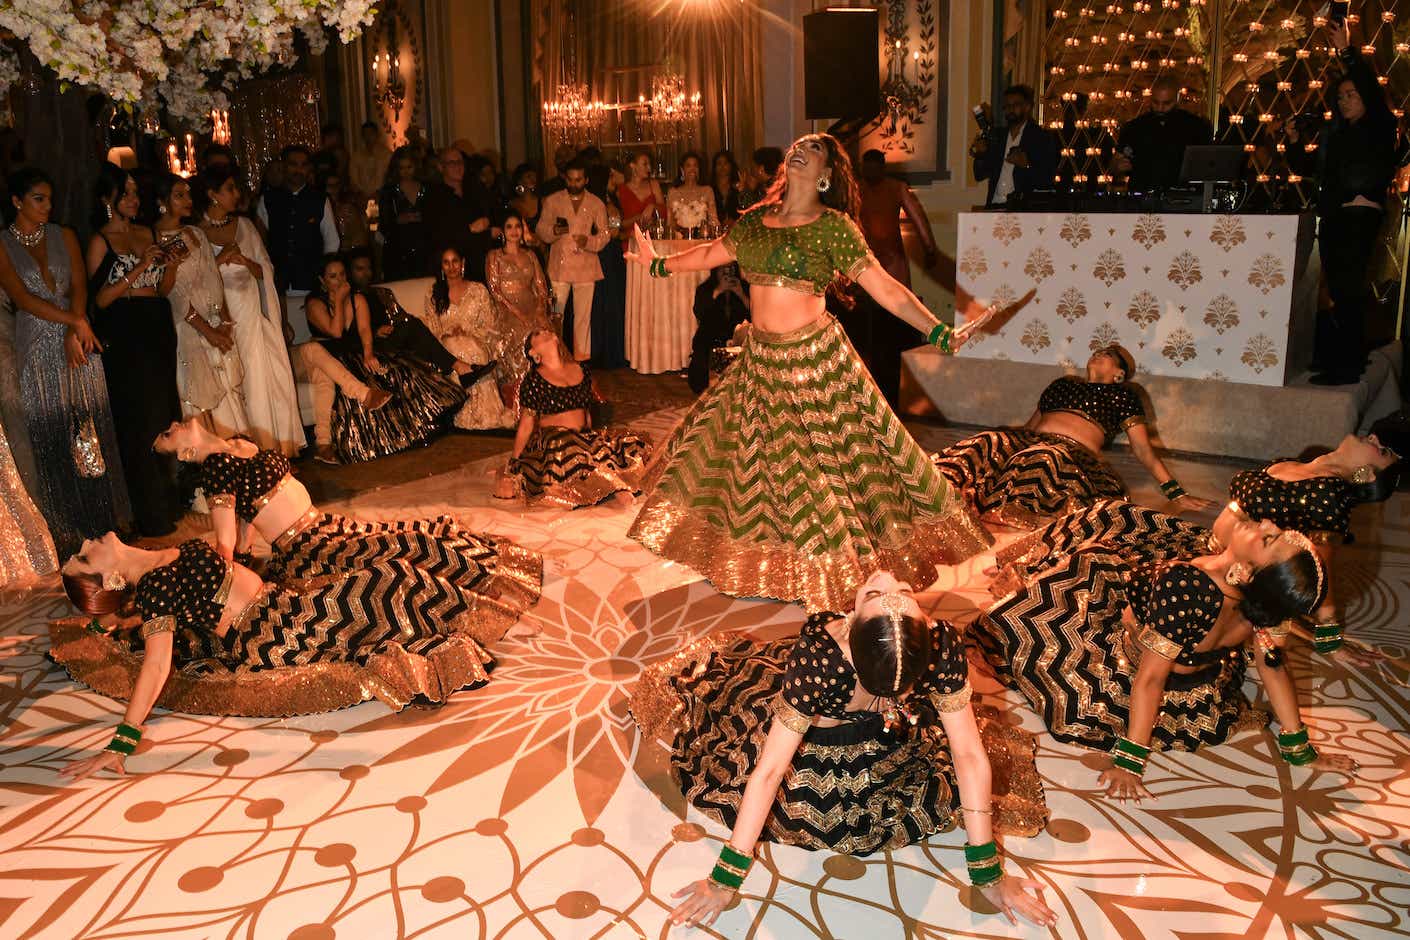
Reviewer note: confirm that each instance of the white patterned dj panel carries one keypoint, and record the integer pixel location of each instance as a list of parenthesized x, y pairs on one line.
[(1191, 296)]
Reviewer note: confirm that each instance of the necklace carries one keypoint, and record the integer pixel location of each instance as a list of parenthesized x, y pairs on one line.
[(214, 223), (28, 239)]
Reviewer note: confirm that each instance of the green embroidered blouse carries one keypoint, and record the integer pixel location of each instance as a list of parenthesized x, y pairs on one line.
[(800, 257)]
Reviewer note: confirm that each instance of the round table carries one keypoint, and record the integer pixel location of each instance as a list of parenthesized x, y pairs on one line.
[(661, 313)]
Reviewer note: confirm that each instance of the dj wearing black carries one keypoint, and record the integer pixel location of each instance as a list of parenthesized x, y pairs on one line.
[(1151, 147), (1354, 165)]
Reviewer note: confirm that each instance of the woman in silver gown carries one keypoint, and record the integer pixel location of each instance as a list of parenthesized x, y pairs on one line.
[(81, 488)]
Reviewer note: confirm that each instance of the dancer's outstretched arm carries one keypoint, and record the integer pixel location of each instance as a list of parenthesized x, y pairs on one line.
[(156, 666)]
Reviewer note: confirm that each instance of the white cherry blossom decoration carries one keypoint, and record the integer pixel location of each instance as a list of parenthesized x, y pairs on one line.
[(181, 54)]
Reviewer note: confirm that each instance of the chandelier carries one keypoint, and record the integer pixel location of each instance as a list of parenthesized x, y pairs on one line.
[(670, 114), (573, 115)]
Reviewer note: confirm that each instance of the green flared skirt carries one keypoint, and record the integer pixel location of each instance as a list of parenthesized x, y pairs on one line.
[(791, 478)]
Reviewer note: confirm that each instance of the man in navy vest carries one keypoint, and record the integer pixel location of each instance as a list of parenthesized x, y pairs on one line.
[(301, 230)]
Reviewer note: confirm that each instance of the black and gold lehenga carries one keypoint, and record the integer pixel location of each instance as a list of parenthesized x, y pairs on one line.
[(569, 467), (791, 477), (1019, 476), (497, 578), (1072, 637), (390, 632), (850, 789)]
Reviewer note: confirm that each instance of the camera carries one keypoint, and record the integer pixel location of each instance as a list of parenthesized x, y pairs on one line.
[(981, 117)]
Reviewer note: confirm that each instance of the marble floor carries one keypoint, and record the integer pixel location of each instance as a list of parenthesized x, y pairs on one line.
[(531, 808)]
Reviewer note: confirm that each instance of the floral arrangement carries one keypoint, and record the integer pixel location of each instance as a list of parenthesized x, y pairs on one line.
[(690, 214), (180, 54)]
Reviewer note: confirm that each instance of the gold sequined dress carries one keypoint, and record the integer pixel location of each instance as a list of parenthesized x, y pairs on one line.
[(851, 789), (391, 631), (26, 551), (791, 477), (517, 284), (469, 329)]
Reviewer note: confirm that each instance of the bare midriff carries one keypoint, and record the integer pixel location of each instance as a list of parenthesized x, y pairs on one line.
[(288, 505), (782, 309), (1085, 432), (574, 420), (245, 589)]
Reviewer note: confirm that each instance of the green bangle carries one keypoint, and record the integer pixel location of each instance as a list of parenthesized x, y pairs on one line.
[(1293, 738), (980, 853), (732, 856), (1130, 756), (125, 739), (1171, 489), (1305, 754), (938, 333), (725, 878), (95, 626), (984, 864), (983, 878), (1327, 637)]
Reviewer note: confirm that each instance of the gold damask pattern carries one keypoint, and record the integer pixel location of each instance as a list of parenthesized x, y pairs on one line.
[(532, 808), (1145, 278)]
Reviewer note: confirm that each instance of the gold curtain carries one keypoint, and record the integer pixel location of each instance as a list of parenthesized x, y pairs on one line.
[(615, 46)]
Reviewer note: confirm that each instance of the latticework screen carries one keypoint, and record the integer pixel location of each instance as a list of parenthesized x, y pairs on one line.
[(1265, 62)]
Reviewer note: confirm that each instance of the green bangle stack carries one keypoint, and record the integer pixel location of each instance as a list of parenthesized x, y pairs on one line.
[(1171, 489), (1327, 636), (125, 740), (985, 865), (658, 268), (731, 868), (1128, 755), (940, 335), (1295, 748), (95, 626)]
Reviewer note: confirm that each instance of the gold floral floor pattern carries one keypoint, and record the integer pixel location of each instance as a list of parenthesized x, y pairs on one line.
[(532, 809)]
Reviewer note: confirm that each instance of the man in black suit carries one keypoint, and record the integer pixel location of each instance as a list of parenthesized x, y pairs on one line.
[(1151, 147), (1019, 157)]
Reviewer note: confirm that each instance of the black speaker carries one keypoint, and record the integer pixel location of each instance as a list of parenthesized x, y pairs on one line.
[(841, 67)]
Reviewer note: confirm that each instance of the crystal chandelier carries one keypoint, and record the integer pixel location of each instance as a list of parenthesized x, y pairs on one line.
[(572, 115), (670, 114)]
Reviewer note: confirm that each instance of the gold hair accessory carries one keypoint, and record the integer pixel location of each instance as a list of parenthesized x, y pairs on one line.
[(894, 604), (1305, 544), (1363, 475)]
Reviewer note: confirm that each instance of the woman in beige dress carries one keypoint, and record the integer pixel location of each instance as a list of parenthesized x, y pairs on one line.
[(209, 372), (519, 288), (462, 316)]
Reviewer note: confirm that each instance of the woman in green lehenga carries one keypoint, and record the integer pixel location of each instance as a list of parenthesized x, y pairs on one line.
[(792, 478)]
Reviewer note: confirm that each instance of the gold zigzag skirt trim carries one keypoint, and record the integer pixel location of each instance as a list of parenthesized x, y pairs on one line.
[(792, 479)]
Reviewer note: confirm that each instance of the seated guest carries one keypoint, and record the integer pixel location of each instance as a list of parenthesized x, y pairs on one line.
[(1019, 157), (856, 736), (559, 457), (390, 330), (361, 424), (1150, 148), (1130, 658), (1053, 464), (721, 304), (461, 314)]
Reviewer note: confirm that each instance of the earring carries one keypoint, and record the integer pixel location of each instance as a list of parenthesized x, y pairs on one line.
[(187, 455), (824, 183), (114, 582), (109, 210), (1363, 475), (462, 270), (1237, 574), (161, 210)]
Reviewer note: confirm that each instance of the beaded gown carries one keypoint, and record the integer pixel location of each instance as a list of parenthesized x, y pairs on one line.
[(1063, 640), (517, 284), (391, 632), (1020, 476), (26, 550), (498, 579), (850, 788), (471, 330), (791, 477), (60, 402), (209, 382), (571, 468)]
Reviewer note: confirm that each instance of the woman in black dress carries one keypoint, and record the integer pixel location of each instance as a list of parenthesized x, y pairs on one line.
[(400, 208), (130, 276), (420, 395)]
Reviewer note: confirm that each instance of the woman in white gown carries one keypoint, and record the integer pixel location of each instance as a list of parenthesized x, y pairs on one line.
[(463, 316), (209, 373), (271, 401)]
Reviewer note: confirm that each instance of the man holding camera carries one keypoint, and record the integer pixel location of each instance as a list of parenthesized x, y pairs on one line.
[(1151, 148), (1018, 158)]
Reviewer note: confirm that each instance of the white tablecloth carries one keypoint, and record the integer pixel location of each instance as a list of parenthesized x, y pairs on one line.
[(660, 313), (1191, 296)]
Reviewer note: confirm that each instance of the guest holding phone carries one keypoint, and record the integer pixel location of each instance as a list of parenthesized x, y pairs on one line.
[(574, 224), (130, 276)]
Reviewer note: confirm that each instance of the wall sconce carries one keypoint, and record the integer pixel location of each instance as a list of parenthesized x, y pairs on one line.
[(389, 90)]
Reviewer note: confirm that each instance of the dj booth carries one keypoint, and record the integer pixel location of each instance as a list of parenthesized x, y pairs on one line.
[(1195, 295)]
